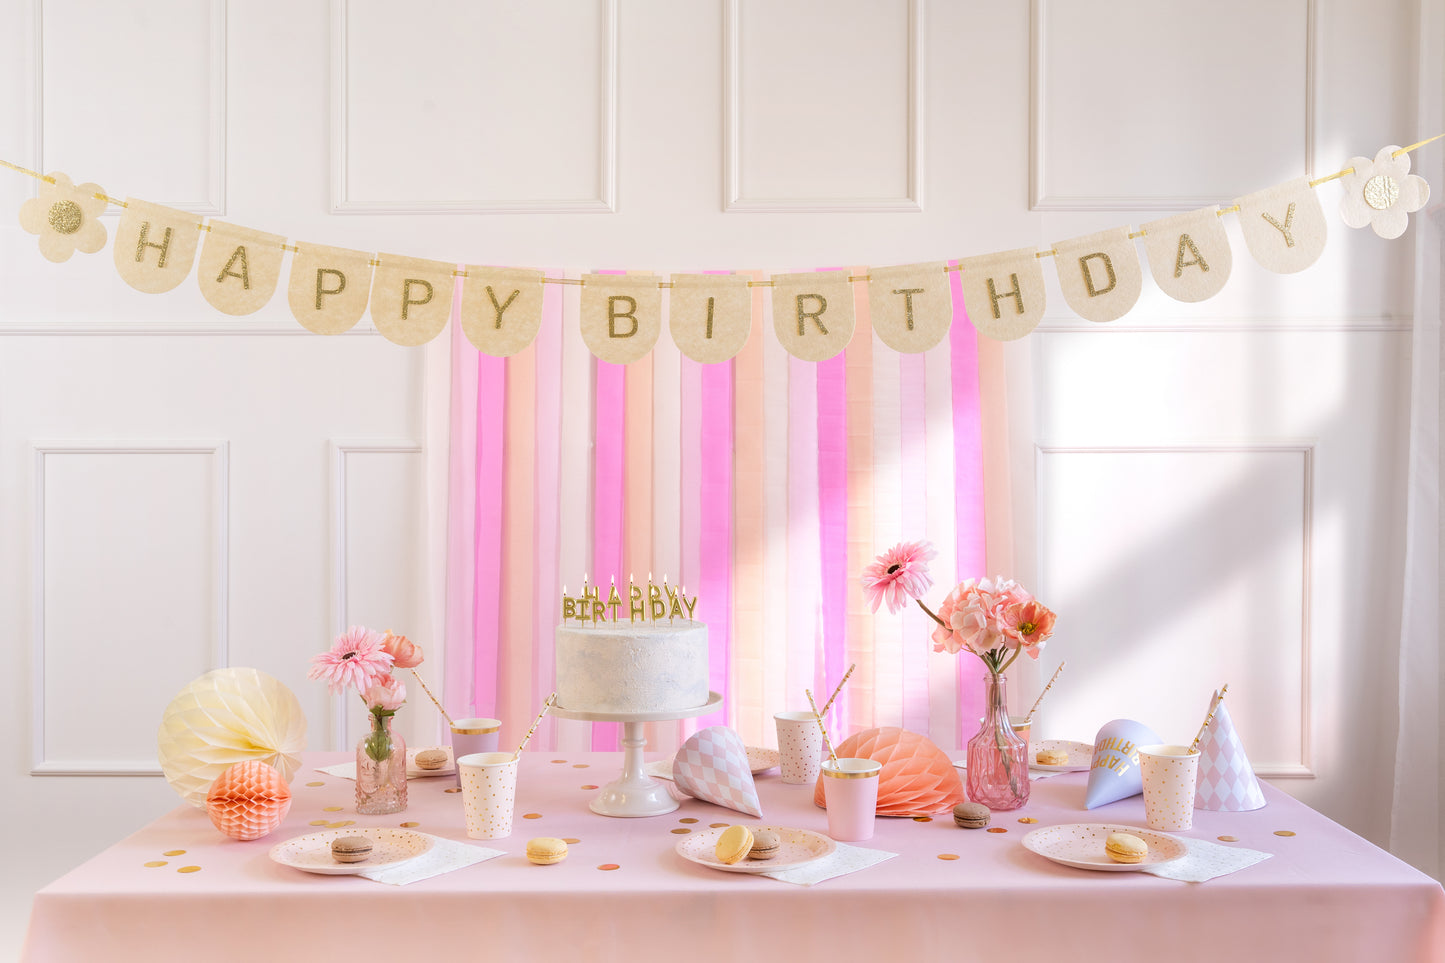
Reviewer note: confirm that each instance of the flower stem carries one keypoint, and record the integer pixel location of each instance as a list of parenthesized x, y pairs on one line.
[(932, 616)]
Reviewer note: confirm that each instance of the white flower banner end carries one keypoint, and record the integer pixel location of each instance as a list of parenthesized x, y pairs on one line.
[(1382, 193)]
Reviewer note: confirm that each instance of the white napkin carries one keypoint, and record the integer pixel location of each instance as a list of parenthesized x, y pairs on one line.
[(444, 856), (1205, 860), (347, 770), (661, 769), (842, 861)]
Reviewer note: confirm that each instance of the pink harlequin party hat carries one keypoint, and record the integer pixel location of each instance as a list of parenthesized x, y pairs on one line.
[(713, 766), (1226, 779)]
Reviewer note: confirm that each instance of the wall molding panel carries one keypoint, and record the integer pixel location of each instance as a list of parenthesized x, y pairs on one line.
[(734, 200), (603, 201), (218, 454), (1303, 766)]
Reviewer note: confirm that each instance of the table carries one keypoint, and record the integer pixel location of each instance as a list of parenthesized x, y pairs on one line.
[(1325, 895)]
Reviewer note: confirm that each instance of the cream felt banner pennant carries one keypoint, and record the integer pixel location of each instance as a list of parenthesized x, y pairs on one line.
[(239, 267), (1189, 254), (1100, 274), (411, 298), (813, 313), (1284, 226), (621, 315), (501, 308), (66, 216), (911, 305), (329, 287), (709, 315), (155, 246), (1004, 293)]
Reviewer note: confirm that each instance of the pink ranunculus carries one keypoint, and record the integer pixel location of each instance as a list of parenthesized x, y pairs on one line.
[(355, 659), (898, 575), (388, 695), (405, 653)]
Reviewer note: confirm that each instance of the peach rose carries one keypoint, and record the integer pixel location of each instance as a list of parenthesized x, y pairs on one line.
[(405, 653)]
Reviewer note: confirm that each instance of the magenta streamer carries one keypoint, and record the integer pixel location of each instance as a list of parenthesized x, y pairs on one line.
[(967, 480), (833, 515), (547, 508), (608, 498), (716, 549), (487, 598)]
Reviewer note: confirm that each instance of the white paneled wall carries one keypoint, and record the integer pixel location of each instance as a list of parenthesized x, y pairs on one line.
[(1206, 492)]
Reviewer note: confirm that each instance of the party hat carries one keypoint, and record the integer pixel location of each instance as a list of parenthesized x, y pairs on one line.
[(713, 766), (1226, 779), (1114, 770)]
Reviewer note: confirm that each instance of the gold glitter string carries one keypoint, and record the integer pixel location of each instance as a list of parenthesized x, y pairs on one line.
[(1051, 252), (1193, 746)]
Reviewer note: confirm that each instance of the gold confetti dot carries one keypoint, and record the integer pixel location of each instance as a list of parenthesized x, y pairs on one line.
[(589, 786), (155, 862), (531, 815), (717, 825), (682, 831), (687, 819), (580, 765), (606, 867), (319, 822), (189, 869), (453, 789), (558, 762), (1283, 832), (409, 825), (1027, 819), (997, 829), (316, 784), (331, 809), (571, 840), (923, 819), (947, 855), (1228, 839), (174, 852)]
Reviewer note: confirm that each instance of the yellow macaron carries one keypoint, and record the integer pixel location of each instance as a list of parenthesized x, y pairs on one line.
[(1125, 848), (546, 850), (734, 844)]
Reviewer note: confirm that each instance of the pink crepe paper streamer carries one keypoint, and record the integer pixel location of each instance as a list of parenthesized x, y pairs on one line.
[(913, 466), (457, 684), (515, 701), (607, 512), (491, 485), (968, 482), (546, 545), (716, 548)]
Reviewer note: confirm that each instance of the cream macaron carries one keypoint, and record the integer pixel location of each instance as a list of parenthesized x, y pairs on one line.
[(546, 850), (734, 844), (1125, 848)]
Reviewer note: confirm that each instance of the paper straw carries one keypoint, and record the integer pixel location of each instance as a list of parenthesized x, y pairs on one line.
[(841, 682), (551, 701), (826, 744), (433, 698), (1030, 716), (1193, 746)]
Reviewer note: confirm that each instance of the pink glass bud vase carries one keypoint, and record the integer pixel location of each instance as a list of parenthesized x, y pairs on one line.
[(998, 760), (380, 769)]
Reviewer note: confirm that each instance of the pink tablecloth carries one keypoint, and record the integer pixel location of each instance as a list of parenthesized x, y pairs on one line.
[(1325, 895)]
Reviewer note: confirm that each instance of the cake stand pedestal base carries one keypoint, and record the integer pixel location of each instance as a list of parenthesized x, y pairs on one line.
[(635, 793)]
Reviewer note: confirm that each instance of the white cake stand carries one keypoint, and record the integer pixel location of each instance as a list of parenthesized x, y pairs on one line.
[(635, 793)]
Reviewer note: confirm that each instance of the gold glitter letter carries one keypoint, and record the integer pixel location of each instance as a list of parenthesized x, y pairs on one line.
[(994, 297), (908, 294), (340, 284), (1283, 228), (407, 300), (613, 314), (245, 275), (1180, 264), (711, 301), (141, 244), (499, 308), (803, 314), (1089, 277)]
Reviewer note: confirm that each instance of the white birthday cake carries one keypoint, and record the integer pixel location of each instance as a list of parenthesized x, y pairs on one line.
[(632, 666)]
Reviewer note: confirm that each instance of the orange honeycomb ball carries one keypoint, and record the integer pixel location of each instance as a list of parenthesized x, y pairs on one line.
[(917, 776), (248, 800)]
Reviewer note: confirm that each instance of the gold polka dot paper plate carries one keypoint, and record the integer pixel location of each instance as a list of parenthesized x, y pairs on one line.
[(312, 853), (1081, 845), (797, 847)]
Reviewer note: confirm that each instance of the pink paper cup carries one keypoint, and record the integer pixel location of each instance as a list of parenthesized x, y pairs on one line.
[(470, 736), (850, 793), (1169, 774), (489, 793), (800, 744)]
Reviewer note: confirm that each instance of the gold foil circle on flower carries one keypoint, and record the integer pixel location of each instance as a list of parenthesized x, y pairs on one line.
[(66, 216)]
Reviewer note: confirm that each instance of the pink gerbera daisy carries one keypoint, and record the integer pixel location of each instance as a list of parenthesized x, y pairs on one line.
[(898, 575), (355, 659)]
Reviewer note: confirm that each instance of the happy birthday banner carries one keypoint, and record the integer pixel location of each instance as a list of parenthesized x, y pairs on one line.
[(710, 315)]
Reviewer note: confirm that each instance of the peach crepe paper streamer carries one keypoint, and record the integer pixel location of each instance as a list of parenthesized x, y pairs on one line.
[(918, 779)]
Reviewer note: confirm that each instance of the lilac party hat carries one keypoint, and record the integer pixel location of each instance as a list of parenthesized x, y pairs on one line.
[(713, 766), (1114, 771), (1226, 779)]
